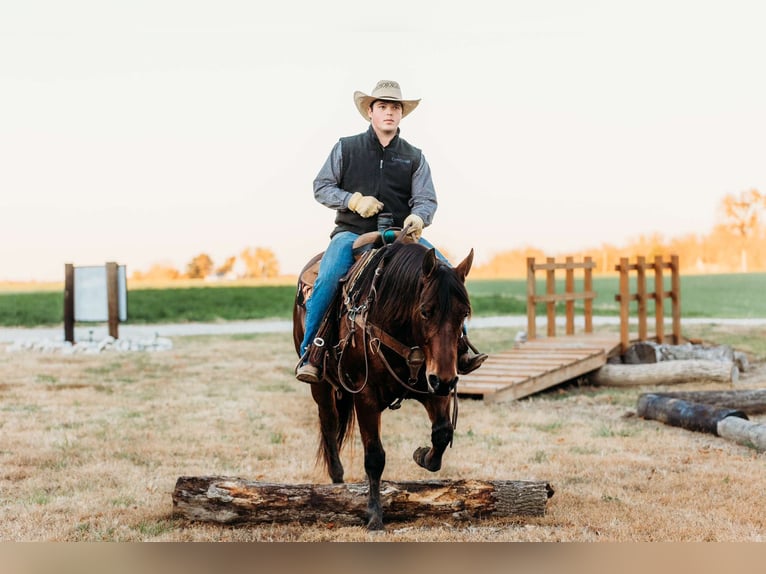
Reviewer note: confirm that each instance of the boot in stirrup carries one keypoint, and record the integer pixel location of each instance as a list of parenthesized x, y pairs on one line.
[(468, 357), (307, 371)]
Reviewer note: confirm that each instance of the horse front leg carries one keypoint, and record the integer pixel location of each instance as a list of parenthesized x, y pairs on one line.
[(438, 409), (374, 462)]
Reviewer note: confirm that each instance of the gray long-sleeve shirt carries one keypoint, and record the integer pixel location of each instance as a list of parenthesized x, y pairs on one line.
[(328, 192)]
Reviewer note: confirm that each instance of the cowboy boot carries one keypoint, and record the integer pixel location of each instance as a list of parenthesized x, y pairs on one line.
[(468, 357), (307, 373), (309, 369)]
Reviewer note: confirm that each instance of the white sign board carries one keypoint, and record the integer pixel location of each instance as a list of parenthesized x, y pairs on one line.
[(90, 295)]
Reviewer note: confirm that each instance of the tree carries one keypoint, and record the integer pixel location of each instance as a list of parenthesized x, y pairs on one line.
[(742, 216), (227, 267), (260, 262), (157, 272), (199, 267)]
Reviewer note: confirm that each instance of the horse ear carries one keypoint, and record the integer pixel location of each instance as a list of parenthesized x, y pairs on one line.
[(429, 262), (465, 265)]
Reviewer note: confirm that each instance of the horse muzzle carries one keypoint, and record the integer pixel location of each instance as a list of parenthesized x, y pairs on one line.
[(441, 387)]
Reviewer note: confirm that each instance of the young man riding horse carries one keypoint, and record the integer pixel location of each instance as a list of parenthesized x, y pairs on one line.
[(364, 175)]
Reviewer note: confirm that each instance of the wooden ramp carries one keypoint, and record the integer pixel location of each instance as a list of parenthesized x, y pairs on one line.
[(538, 364)]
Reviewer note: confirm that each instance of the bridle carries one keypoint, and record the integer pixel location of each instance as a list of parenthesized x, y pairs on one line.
[(373, 337)]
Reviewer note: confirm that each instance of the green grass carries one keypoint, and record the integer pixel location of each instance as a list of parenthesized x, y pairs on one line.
[(715, 296), (723, 296)]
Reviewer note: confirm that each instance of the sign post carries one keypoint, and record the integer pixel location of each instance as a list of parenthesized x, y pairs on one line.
[(94, 294)]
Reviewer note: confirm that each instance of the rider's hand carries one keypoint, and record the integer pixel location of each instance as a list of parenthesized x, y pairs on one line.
[(364, 205), (416, 226)]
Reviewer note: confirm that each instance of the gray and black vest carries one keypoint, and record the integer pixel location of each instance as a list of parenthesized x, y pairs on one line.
[(384, 173)]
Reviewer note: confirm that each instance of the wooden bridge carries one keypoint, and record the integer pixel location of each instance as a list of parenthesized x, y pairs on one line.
[(539, 363)]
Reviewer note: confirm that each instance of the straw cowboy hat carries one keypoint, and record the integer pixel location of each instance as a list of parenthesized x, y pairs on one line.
[(384, 90)]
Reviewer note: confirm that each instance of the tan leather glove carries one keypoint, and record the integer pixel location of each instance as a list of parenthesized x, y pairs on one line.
[(364, 205), (416, 225)]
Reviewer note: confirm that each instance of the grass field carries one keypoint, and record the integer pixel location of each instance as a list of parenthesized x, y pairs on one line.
[(93, 445), (717, 296)]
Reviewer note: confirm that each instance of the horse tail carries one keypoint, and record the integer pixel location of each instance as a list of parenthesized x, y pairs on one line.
[(336, 420), (345, 407)]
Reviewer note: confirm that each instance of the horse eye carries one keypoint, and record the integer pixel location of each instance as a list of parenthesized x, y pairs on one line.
[(425, 313)]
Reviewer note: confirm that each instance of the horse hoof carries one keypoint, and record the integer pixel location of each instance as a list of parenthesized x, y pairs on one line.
[(375, 525), (419, 456)]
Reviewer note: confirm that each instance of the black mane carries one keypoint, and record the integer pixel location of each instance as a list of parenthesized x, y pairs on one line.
[(399, 289)]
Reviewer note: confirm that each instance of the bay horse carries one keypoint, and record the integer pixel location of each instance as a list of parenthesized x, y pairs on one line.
[(391, 334)]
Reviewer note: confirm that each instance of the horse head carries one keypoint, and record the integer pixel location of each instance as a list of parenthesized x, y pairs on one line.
[(442, 308)]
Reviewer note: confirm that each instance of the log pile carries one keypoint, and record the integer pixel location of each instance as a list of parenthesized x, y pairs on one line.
[(229, 500)]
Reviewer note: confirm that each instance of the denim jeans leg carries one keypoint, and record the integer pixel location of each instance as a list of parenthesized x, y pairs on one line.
[(423, 241), (336, 261)]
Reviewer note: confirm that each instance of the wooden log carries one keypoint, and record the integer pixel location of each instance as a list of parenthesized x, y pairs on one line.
[(690, 351), (666, 373), (676, 412), (751, 402), (230, 500), (744, 432)]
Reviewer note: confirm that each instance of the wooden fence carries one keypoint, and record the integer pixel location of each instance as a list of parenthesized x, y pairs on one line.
[(625, 297), (551, 298)]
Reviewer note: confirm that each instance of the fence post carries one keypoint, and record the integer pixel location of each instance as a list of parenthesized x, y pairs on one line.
[(675, 295), (112, 299), (624, 303), (588, 288), (69, 303), (531, 300), (641, 293), (659, 305), (550, 289), (569, 290)]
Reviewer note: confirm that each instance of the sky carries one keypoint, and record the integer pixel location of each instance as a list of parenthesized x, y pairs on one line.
[(148, 132)]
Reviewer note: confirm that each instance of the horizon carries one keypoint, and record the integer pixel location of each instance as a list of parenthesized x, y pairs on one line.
[(150, 133)]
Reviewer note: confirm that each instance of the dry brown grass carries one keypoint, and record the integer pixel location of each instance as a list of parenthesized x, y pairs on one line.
[(92, 446)]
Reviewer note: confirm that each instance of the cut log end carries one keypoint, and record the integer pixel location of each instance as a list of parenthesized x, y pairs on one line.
[(230, 500)]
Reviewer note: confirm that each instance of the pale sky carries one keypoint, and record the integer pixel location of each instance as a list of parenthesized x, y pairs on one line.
[(151, 131)]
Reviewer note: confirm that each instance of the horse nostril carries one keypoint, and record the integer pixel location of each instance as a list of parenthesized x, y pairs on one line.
[(441, 386)]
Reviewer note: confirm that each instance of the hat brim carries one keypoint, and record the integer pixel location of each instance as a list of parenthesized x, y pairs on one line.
[(363, 102)]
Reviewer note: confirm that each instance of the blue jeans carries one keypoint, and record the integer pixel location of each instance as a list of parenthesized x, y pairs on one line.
[(336, 261)]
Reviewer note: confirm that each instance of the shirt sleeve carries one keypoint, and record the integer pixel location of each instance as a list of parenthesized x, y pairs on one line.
[(423, 201), (327, 189)]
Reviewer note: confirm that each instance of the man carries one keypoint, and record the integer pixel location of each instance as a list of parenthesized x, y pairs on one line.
[(365, 174)]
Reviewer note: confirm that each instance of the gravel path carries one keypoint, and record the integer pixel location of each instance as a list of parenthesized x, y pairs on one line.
[(99, 331)]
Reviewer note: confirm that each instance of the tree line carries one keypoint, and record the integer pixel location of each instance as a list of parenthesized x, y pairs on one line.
[(737, 243), (251, 263)]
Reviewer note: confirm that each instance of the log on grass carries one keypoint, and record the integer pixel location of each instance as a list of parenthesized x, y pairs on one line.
[(744, 432), (749, 401), (690, 416), (666, 373), (230, 500), (689, 351)]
